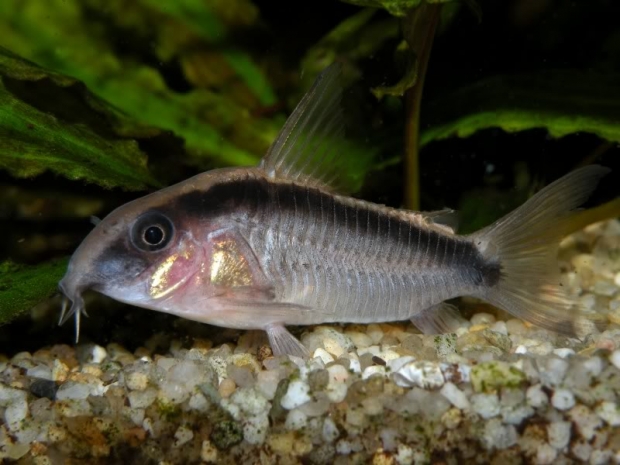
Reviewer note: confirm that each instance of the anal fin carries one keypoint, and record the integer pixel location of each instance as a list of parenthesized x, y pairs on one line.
[(284, 343), (438, 319)]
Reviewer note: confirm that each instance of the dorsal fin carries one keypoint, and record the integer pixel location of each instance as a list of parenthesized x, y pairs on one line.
[(307, 149)]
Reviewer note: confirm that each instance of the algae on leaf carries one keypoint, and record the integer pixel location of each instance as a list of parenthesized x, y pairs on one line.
[(22, 287), (77, 142)]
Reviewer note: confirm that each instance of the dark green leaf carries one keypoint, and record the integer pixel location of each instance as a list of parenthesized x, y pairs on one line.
[(206, 19), (409, 78), (562, 101), (68, 40), (33, 139), (22, 287)]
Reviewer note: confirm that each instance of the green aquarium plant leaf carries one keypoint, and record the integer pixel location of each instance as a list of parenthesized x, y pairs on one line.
[(71, 39), (22, 287), (208, 20), (76, 141), (561, 101)]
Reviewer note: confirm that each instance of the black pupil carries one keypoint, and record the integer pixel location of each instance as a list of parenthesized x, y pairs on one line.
[(153, 235)]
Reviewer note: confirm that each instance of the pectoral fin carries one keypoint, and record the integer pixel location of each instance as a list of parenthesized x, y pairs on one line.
[(284, 343)]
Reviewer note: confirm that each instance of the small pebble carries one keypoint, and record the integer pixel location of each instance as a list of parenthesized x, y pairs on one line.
[(298, 393), (227, 387), (563, 399)]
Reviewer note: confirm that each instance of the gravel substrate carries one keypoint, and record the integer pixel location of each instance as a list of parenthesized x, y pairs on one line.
[(496, 391)]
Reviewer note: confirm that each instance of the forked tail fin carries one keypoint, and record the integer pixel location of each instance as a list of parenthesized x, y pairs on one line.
[(525, 244)]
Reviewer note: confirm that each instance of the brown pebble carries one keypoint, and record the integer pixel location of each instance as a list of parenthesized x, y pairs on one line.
[(379, 360), (226, 388)]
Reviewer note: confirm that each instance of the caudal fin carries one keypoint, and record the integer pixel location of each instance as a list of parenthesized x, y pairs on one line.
[(525, 244)]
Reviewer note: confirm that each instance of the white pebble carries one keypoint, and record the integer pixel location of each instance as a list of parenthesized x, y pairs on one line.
[(617, 279), (250, 401), (15, 402), (255, 429), (563, 399), (208, 452), (73, 390), (40, 371), (142, 399), (136, 381), (372, 406), (482, 319), (558, 434), (586, 421), (333, 347), (485, 405), (553, 373), (323, 355), (536, 397), (295, 420), (373, 370), (498, 436), (500, 327), (137, 416), (182, 435), (267, 383), (330, 430), (336, 389), (98, 354), (521, 349), (404, 454), (564, 352), (298, 393), (455, 396), (199, 402), (343, 447), (609, 412), (615, 358), (354, 364), (398, 363), (594, 366), (375, 333), (360, 340), (545, 454), (426, 375)]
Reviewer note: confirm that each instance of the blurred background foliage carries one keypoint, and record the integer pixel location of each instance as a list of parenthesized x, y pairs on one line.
[(104, 101)]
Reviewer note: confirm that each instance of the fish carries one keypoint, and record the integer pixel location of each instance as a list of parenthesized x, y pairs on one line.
[(285, 243)]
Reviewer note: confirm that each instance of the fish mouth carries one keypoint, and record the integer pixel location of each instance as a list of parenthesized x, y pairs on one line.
[(73, 295)]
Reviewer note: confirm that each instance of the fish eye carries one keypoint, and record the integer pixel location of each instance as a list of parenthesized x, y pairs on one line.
[(154, 235), (152, 232)]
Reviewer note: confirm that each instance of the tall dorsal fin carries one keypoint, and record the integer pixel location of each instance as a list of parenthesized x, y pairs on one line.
[(307, 149)]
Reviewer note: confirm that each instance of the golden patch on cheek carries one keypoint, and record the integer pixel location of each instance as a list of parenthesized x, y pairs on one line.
[(160, 284), (228, 266)]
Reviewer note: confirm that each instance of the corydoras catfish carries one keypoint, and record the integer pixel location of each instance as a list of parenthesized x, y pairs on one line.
[(281, 244)]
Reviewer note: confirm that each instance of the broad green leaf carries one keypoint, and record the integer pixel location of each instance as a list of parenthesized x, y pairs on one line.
[(562, 101), (22, 287), (33, 139), (58, 34), (205, 19)]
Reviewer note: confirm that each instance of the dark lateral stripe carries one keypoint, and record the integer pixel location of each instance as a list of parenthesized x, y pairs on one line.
[(259, 195)]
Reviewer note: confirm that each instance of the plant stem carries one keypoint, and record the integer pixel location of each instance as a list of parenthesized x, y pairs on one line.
[(420, 27)]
